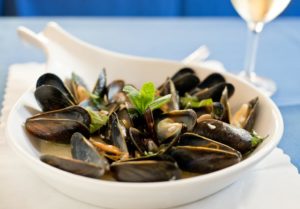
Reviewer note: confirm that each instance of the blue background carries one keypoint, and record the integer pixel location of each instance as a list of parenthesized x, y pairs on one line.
[(126, 8)]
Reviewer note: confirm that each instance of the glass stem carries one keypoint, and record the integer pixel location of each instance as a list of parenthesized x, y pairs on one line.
[(251, 55)]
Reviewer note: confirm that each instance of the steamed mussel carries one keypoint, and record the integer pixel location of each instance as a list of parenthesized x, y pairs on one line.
[(185, 126)]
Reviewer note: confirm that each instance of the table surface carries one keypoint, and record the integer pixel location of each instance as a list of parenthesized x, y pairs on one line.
[(175, 38)]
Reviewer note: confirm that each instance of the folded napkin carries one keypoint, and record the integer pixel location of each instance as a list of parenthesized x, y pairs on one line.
[(273, 183)]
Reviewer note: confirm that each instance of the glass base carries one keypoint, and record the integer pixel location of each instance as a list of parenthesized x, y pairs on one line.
[(266, 85)]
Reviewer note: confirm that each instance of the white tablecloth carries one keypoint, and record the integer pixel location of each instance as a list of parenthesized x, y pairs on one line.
[(273, 183)]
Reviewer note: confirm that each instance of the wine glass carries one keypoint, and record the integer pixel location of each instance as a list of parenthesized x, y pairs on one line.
[(256, 13)]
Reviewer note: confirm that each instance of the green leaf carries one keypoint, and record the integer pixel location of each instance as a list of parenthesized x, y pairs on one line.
[(147, 94), (256, 139), (143, 98), (134, 96), (160, 101), (98, 119), (193, 102)]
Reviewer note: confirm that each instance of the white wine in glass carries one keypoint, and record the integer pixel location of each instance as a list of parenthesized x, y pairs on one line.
[(256, 13)]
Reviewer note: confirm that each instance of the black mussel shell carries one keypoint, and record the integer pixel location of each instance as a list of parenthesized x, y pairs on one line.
[(195, 153), (185, 80), (118, 133), (211, 80), (113, 89), (76, 113), (51, 98), (214, 92), (145, 171), (74, 166), (237, 138), (53, 80), (100, 86), (187, 117), (59, 125), (82, 149), (167, 129), (169, 88), (139, 140), (246, 116), (182, 72), (55, 130)]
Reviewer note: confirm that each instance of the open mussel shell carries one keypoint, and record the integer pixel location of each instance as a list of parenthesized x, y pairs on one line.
[(226, 117), (73, 166), (185, 80), (78, 88), (118, 133), (237, 138), (187, 117), (167, 129), (53, 80), (246, 115), (145, 171), (149, 119), (214, 92), (114, 90), (51, 98), (169, 88), (83, 150), (198, 154), (139, 140), (100, 86), (125, 118), (59, 125)]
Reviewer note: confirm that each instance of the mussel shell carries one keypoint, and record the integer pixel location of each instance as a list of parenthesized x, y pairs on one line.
[(76, 113), (237, 138), (250, 121), (113, 89), (218, 110), (169, 88), (100, 86), (227, 111), (118, 133), (214, 92), (188, 117), (55, 130), (192, 139), (211, 80), (149, 120), (145, 171), (203, 160), (185, 80), (125, 118), (53, 80), (51, 98), (83, 150), (139, 140), (74, 166), (167, 129), (182, 72)]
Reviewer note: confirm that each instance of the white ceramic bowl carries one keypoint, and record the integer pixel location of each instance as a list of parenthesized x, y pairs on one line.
[(67, 53)]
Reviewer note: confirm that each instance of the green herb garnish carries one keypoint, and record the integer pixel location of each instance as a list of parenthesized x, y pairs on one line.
[(193, 102), (98, 119), (256, 139), (145, 97)]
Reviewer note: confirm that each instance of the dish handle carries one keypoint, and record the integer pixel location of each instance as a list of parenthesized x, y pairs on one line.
[(36, 39)]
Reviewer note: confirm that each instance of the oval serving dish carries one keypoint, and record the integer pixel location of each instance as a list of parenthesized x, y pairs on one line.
[(65, 54)]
